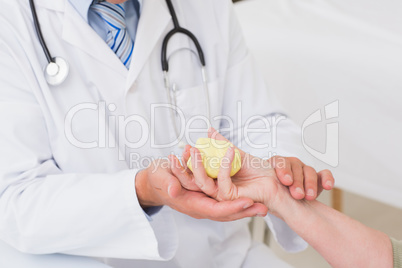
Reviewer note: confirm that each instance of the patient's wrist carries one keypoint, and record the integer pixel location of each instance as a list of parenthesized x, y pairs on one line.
[(285, 206)]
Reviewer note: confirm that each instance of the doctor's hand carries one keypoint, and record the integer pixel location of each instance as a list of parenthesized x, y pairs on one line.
[(303, 180), (160, 185)]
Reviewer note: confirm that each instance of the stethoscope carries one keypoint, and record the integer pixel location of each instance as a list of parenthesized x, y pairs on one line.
[(165, 68), (57, 69)]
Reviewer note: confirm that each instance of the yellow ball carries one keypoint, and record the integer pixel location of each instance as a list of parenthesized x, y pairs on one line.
[(212, 151)]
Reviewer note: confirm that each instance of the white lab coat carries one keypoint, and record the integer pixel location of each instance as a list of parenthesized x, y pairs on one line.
[(58, 198)]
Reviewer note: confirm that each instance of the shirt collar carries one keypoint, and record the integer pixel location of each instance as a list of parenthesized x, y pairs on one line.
[(82, 6)]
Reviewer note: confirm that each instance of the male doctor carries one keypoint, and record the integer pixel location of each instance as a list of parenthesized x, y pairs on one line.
[(72, 160)]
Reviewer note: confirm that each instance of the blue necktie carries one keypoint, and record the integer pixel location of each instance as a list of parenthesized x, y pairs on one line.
[(118, 38)]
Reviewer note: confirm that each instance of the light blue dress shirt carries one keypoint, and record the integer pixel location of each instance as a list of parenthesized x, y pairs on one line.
[(98, 24)]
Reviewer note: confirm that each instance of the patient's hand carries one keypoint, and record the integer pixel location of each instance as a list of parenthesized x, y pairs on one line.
[(257, 179), (258, 182)]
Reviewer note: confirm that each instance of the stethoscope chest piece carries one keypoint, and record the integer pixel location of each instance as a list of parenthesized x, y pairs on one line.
[(57, 71)]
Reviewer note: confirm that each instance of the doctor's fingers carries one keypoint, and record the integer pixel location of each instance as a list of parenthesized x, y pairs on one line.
[(297, 188), (186, 180), (200, 206), (160, 184), (283, 169), (256, 210), (227, 190), (310, 182), (205, 183), (327, 179)]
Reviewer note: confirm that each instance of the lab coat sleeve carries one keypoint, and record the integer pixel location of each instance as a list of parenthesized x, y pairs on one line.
[(252, 106), (43, 210)]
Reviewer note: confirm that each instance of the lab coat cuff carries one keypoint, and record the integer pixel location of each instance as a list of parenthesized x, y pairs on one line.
[(149, 212), (124, 232), (286, 237), (164, 230)]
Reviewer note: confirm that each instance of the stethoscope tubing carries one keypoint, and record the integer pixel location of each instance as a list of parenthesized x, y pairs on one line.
[(165, 66), (39, 32), (57, 69), (177, 29), (165, 63), (164, 60)]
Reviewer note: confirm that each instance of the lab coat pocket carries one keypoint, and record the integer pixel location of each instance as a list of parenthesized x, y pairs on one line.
[(195, 106), (195, 101)]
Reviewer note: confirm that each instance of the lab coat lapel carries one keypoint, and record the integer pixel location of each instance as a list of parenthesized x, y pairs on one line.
[(154, 19), (53, 5), (80, 34)]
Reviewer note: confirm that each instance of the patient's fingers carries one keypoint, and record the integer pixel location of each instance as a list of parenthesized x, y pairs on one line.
[(205, 183), (186, 156), (227, 190), (214, 134)]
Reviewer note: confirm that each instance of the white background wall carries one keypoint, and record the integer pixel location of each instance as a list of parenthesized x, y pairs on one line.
[(315, 52)]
